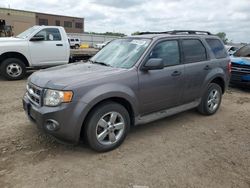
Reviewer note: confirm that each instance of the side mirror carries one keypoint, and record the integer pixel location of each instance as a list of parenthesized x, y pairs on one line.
[(37, 38), (153, 64)]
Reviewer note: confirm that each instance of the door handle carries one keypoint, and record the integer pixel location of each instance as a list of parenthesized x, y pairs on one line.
[(207, 67), (176, 73), (59, 44)]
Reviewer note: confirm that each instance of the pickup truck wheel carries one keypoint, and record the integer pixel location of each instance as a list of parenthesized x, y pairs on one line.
[(13, 69), (107, 126), (211, 100), (77, 46)]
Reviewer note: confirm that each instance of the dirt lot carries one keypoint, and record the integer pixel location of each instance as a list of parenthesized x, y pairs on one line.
[(186, 150)]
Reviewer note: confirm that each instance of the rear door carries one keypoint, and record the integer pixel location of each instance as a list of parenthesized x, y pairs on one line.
[(49, 52), (161, 89), (197, 66)]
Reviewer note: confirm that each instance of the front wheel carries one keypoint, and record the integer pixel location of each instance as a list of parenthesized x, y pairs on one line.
[(211, 100), (13, 69), (107, 126)]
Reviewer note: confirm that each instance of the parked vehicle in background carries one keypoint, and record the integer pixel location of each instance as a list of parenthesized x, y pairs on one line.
[(133, 80), (231, 49), (101, 45), (37, 47), (74, 42), (241, 67)]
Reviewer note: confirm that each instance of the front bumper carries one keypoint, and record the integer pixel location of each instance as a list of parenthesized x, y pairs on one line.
[(69, 117), (238, 78)]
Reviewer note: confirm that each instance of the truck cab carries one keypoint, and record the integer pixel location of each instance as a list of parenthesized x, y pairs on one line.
[(37, 47)]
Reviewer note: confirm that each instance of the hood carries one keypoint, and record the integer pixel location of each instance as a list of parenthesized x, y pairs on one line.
[(67, 75), (241, 60), (10, 39)]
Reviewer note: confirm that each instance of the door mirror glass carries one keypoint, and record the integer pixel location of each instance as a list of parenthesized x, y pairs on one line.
[(153, 64), (37, 38)]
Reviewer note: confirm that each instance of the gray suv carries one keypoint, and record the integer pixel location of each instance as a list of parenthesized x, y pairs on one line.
[(133, 80)]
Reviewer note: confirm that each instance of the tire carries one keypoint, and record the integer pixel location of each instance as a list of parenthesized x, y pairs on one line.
[(13, 69), (211, 100), (77, 46), (99, 123)]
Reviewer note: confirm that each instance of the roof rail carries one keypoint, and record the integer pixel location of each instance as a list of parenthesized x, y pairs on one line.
[(192, 32), (174, 32)]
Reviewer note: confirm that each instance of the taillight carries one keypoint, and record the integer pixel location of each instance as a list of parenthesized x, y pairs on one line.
[(229, 66)]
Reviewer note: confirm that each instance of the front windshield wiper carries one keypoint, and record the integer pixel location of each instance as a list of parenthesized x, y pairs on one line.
[(100, 63)]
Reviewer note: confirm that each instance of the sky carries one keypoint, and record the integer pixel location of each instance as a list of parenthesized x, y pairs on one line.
[(128, 16)]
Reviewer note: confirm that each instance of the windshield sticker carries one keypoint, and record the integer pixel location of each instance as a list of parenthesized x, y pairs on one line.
[(138, 42)]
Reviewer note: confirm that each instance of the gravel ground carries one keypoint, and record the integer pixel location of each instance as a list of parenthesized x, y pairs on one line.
[(185, 150)]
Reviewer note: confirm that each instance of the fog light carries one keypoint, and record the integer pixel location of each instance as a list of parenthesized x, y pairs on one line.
[(51, 125)]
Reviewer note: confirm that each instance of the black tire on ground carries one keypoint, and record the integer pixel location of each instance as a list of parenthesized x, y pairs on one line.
[(205, 106), (13, 69), (77, 46), (92, 127)]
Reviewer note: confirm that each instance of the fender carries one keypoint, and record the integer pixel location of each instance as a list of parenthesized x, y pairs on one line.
[(100, 93)]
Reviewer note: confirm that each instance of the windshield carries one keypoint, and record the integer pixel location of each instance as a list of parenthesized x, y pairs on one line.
[(27, 32), (121, 53), (243, 51)]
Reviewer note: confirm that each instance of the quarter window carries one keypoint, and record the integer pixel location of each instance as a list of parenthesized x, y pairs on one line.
[(50, 34), (168, 51), (193, 51), (217, 48)]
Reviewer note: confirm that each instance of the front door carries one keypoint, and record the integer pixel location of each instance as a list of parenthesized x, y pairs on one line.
[(49, 52), (162, 89)]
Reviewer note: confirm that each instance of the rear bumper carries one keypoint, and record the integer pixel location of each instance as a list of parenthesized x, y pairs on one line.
[(67, 116)]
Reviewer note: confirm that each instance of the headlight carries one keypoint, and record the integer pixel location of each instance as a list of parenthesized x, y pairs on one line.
[(55, 97)]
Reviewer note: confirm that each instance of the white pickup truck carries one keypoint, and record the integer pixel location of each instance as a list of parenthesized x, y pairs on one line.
[(37, 47)]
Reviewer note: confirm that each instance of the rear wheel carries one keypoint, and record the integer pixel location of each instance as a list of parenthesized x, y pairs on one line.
[(107, 126), (77, 46), (211, 100), (13, 69)]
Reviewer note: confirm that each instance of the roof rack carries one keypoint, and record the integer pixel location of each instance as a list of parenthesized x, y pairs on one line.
[(174, 32)]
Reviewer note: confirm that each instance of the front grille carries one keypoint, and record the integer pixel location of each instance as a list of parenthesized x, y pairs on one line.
[(34, 94), (240, 69)]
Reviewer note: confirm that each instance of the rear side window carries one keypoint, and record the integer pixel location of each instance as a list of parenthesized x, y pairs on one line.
[(217, 48), (193, 51), (168, 51)]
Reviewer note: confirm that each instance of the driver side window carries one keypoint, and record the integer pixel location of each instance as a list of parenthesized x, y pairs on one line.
[(168, 51), (50, 34)]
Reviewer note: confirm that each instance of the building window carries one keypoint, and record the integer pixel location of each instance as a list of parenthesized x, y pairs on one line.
[(78, 25), (57, 22), (67, 24), (43, 21)]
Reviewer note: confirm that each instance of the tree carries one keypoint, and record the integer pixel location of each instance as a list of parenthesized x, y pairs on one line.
[(136, 33), (223, 36)]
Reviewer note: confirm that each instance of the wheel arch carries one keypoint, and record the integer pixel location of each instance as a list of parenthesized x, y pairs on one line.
[(220, 81), (120, 100), (17, 55)]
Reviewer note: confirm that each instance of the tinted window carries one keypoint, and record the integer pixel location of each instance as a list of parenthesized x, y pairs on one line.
[(57, 22), (67, 24), (168, 51), (79, 25), (217, 48), (72, 40), (50, 34), (193, 51), (43, 21)]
